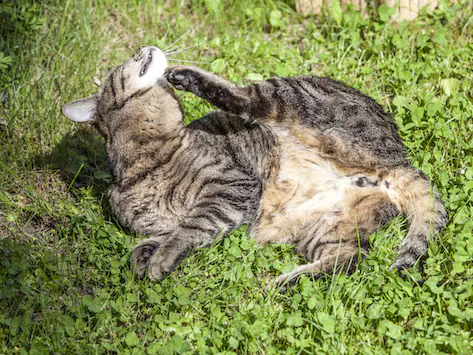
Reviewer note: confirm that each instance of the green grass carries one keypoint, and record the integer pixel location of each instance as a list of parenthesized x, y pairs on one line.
[(66, 284)]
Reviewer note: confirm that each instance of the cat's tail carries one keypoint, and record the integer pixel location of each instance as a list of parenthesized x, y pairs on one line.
[(415, 197)]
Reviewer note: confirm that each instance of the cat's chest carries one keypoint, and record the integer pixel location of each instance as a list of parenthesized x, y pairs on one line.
[(151, 204)]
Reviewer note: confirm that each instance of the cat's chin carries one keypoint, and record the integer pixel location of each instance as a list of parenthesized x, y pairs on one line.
[(154, 68)]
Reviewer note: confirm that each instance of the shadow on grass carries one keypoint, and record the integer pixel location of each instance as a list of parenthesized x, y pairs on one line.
[(81, 160)]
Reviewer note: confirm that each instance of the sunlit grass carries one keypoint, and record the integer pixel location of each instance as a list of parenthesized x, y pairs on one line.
[(66, 280)]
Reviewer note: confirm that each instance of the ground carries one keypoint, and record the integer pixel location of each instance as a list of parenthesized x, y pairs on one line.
[(66, 284)]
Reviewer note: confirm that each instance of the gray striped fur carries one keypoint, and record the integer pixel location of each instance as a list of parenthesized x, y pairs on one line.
[(306, 161)]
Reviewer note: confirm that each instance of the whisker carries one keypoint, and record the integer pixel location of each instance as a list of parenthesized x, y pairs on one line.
[(176, 47), (187, 61), (180, 37), (129, 49), (165, 35), (181, 50)]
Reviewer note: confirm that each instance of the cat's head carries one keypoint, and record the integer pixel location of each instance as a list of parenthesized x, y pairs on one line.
[(125, 90)]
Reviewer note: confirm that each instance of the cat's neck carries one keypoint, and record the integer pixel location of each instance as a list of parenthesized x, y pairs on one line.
[(144, 138)]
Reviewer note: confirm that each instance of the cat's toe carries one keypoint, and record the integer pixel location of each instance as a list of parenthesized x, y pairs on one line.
[(179, 77), (285, 282), (165, 261), (404, 262), (142, 254)]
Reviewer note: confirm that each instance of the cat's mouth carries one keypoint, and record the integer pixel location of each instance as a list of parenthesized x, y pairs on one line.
[(145, 66)]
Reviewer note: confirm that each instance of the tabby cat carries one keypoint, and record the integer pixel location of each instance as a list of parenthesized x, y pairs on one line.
[(306, 161)]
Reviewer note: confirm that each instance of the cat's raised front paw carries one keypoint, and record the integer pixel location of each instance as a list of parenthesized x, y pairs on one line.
[(182, 78)]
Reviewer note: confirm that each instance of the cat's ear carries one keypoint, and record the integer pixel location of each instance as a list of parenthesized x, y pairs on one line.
[(82, 110)]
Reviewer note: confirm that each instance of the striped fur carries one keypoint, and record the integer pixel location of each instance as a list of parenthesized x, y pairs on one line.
[(305, 161), (343, 171)]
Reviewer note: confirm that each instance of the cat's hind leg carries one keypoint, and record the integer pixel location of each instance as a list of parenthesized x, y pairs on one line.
[(413, 194), (337, 242), (336, 258)]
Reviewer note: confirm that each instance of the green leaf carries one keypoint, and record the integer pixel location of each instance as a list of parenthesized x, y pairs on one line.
[(213, 6), (275, 18), (449, 86), (235, 251), (254, 77), (390, 329), (94, 305), (439, 36), (131, 339), (454, 310), (400, 101), (282, 70), (431, 283), (312, 302), (336, 10), (295, 319), (154, 348), (385, 12), (375, 311), (327, 322), (178, 344), (433, 107), (5, 61), (153, 296), (468, 185), (233, 342), (218, 65), (69, 325)]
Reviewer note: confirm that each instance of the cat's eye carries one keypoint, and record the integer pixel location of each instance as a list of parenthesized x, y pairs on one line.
[(136, 56)]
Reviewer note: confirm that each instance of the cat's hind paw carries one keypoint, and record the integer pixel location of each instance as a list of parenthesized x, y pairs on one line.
[(404, 262), (285, 281)]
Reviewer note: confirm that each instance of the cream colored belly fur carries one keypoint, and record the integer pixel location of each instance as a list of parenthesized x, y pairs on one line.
[(307, 188)]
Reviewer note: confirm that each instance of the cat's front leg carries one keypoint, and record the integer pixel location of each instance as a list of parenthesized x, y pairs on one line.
[(143, 252), (175, 249), (165, 260), (209, 218), (196, 80), (251, 101)]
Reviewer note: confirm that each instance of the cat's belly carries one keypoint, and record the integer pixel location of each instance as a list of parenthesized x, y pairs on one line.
[(289, 205), (307, 189)]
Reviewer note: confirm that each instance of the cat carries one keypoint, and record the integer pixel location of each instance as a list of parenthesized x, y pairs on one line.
[(306, 161)]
